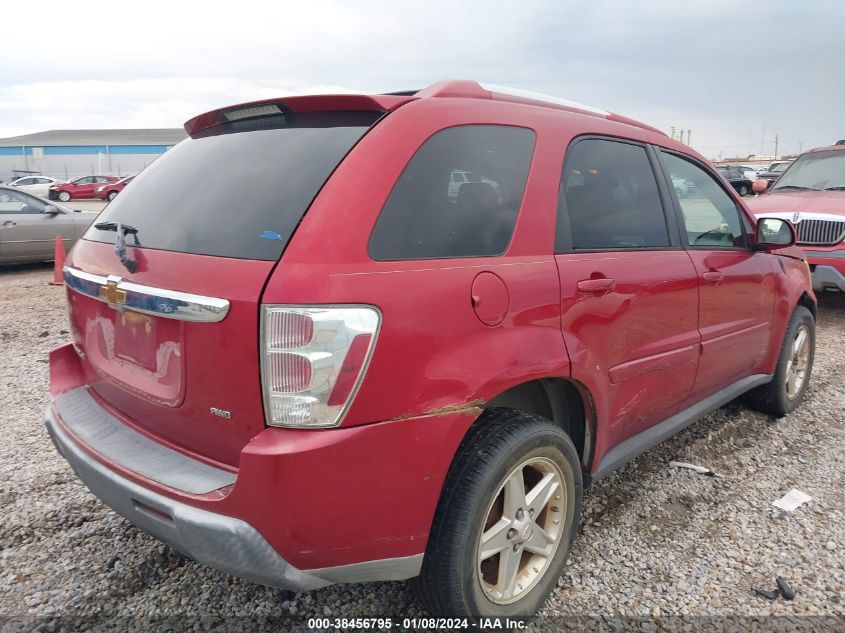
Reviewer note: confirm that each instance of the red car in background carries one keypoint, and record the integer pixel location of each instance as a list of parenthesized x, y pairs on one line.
[(83, 187), (811, 195), (110, 190)]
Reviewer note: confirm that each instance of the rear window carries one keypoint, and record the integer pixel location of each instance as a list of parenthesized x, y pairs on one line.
[(458, 196), (237, 190)]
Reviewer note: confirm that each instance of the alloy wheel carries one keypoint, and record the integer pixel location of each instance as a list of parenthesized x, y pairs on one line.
[(523, 528), (798, 362)]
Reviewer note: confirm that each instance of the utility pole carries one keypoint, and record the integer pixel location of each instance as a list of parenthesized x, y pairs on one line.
[(673, 132), (689, 138), (776, 146), (681, 139), (800, 146)]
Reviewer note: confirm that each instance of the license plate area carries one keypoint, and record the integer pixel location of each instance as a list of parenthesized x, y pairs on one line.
[(135, 338), (140, 353)]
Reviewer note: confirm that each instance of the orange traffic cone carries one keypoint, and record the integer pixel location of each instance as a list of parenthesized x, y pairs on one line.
[(58, 263)]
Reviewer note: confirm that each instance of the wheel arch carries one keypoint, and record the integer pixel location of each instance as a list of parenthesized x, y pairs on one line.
[(564, 401), (806, 301)]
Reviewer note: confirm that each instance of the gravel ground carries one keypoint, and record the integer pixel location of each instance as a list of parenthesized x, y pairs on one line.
[(659, 549)]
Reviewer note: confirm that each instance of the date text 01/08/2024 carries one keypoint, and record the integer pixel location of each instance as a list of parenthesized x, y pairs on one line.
[(322, 624)]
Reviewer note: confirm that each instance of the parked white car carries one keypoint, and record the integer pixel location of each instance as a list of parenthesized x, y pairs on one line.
[(36, 185)]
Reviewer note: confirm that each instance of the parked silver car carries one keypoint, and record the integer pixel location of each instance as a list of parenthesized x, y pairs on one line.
[(29, 226)]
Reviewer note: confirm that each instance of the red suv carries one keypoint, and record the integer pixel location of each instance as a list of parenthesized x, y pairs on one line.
[(811, 195), (302, 356)]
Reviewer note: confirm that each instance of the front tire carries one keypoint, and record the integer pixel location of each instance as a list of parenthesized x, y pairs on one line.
[(112, 195), (506, 520), (64, 196), (743, 191), (792, 374)]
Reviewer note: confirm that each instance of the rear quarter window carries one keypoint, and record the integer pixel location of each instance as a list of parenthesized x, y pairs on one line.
[(459, 196)]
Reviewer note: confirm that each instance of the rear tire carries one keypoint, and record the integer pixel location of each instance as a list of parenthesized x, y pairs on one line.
[(64, 196), (792, 373), (743, 191), (516, 486)]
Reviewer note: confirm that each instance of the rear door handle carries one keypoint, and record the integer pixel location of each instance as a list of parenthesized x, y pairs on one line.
[(713, 277), (596, 285), (10, 223)]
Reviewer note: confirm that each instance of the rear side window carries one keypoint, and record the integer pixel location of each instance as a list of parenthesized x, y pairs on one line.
[(458, 196), (237, 190), (611, 196)]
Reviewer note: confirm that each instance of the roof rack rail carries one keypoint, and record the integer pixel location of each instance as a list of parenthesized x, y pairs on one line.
[(478, 90), (469, 89), (536, 96)]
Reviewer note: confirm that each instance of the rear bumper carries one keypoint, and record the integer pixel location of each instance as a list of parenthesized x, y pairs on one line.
[(304, 508), (223, 542)]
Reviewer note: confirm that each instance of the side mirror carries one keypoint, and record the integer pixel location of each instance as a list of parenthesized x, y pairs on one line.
[(759, 186), (774, 233), (51, 210)]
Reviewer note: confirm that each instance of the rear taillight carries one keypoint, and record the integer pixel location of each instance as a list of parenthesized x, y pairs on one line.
[(312, 361)]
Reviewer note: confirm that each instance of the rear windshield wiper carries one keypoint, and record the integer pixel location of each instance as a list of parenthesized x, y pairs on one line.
[(126, 229), (796, 188), (120, 242)]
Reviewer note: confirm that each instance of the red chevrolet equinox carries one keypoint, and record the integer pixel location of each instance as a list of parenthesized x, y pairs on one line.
[(332, 339)]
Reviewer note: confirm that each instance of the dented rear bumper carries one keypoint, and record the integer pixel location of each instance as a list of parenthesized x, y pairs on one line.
[(302, 509)]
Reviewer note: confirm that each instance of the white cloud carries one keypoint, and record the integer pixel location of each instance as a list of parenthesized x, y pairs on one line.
[(722, 69), (163, 102)]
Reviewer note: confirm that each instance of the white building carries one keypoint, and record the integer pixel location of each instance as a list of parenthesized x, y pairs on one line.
[(66, 154)]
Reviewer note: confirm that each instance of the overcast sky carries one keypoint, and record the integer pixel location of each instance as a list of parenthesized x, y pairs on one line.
[(735, 73)]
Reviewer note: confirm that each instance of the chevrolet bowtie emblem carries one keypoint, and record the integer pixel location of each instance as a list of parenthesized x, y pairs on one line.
[(796, 216), (111, 294)]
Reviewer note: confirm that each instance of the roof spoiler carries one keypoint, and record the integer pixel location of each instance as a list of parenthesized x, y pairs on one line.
[(309, 103)]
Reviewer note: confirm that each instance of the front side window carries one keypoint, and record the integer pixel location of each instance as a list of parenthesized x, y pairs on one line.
[(710, 216), (819, 170), (611, 196), (458, 196)]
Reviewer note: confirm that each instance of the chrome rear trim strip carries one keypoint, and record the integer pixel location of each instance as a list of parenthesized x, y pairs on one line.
[(160, 302)]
